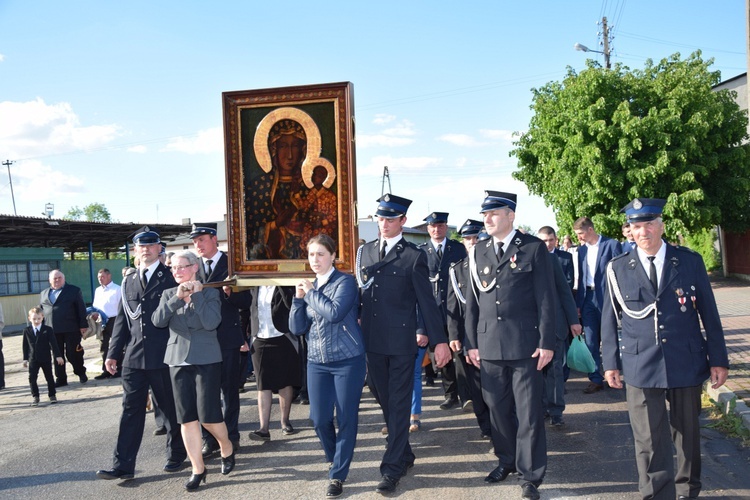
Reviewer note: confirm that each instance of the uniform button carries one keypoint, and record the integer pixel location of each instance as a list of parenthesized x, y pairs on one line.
[(661, 327), (499, 318), (663, 341), (497, 286), (497, 302), (657, 300), (377, 272), (659, 313), (622, 347)]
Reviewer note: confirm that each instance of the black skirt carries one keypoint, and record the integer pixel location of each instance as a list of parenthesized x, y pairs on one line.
[(276, 364)]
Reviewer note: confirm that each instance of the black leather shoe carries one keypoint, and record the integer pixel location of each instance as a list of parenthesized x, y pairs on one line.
[(227, 464), (499, 474), (529, 491), (61, 383), (387, 485), (210, 449), (83, 378), (173, 466), (160, 431), (448, 403), (104, 375), (114, 474), (195, 480), (335, 489)]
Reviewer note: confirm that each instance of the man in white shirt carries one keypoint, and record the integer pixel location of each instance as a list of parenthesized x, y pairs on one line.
[(106, 298)]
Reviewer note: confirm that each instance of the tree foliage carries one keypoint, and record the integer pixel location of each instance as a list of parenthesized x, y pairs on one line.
[(602, 137), (93, 212)]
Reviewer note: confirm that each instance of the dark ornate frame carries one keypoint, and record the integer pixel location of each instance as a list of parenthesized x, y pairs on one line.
[(326, 113)]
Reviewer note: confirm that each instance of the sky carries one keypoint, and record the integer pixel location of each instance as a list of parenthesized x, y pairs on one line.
[(120, 103)]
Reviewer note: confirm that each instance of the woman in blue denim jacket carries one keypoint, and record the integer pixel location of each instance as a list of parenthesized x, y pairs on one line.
[(326, 312)]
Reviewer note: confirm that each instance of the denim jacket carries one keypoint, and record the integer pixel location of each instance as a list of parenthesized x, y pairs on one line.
[(328, 316)]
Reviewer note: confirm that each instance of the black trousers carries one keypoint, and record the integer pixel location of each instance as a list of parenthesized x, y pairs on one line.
[(391, 380), (106, 336), (513, 392), (135, 385), (230, 393), (46, 368), (72, 351)]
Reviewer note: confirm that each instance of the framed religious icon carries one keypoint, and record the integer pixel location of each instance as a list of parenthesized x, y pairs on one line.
[(290, 175)]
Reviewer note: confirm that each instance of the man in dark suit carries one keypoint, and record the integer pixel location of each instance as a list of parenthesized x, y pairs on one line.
[(395, 288), (662, 294), (142, 363), (510, 328), (456, 306), (214, 268), (567, 324), (441, 253), (593, 254), (65, 311)]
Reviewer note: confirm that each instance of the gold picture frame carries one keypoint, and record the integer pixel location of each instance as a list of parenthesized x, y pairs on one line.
[(290, 175)]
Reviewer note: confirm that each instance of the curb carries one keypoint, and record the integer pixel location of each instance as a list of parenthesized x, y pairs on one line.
[(724, 398)]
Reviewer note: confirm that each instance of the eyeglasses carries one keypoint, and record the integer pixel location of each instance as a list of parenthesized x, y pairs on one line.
[(181, 268)]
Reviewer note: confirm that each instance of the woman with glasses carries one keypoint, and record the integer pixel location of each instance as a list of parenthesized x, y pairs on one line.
[(194, 357)]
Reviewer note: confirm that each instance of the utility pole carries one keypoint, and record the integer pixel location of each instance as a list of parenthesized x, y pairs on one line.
[(605, 34), (8, 163), (386, 175)]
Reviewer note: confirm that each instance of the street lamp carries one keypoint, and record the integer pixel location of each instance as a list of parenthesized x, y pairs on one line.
[(583, 48)]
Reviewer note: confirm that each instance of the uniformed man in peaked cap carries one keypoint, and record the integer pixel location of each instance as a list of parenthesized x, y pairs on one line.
[(456, 306), (441, 253), (660, 293), (395, 287), (510, 332), (142, 363)]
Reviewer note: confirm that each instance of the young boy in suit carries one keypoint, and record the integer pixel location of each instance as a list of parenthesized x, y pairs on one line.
[(38, 341)]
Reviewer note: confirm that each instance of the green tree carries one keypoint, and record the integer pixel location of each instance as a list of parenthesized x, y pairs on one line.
[(93, 212), (602, 137)]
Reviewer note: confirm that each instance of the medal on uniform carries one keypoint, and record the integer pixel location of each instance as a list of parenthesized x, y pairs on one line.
[(484, 283), (486, 270), (694, 299), (682, 304), (513, 264)]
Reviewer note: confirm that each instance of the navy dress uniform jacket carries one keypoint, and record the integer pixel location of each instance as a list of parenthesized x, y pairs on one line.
[(438, 269), (144, 343), (566, 261), (388, 316), (517, 316), (675, 354), (456, 305)]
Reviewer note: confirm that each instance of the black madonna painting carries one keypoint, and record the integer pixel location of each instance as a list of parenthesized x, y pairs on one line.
[(290, 176)]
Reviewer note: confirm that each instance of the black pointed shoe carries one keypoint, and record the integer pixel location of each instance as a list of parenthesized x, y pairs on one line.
[(387, 485), (227, 464), (195, 480)]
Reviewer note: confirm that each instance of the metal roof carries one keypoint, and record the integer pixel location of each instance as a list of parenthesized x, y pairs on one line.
[(75, 235)]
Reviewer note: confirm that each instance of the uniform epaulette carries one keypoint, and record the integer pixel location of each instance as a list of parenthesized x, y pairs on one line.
[(685, 249)]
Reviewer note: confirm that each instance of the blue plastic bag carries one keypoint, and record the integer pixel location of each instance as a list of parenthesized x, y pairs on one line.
[(579, 356)]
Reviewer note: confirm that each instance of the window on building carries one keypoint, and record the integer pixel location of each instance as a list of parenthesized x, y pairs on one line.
[(18, 277)]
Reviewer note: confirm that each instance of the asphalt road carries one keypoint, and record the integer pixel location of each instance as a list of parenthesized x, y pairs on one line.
[(53, 451)]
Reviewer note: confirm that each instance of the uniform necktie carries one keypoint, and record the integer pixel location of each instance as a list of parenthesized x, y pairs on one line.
[(440, 252), (36, 332), (208, 267), (144, 278), (500, 251), (652, 273), (382, 250)]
